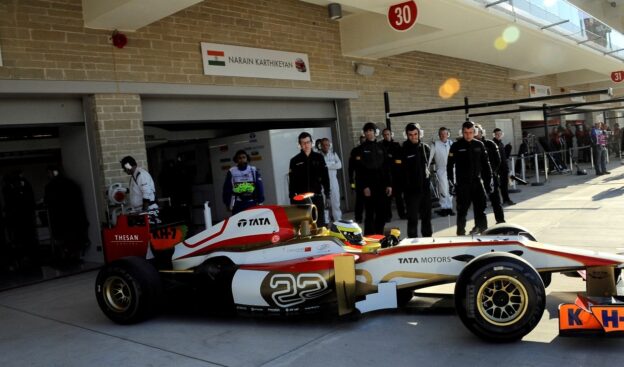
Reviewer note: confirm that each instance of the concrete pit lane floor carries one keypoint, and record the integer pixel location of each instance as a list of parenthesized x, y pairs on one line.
[(58, 323)]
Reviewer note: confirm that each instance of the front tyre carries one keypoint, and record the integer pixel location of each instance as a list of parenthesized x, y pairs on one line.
[(500, 298), (128, 290)]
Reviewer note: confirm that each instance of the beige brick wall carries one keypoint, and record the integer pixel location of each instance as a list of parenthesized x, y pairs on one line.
[(45, 39), (119, 123)]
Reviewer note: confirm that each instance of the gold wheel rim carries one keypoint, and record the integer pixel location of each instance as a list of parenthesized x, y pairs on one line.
[(117, 294), (502, 300)]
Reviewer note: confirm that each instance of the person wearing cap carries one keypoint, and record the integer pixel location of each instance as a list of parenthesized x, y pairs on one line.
[(308, 173), (394, 153), (503, 169), (373, 179), (439, 155), (243, 187), (142, 190), (415, 166), (495, 161), (468, 168)]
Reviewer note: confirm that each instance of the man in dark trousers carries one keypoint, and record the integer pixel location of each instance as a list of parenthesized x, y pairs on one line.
[(472, 168), (415, 162), (359, 200), (308, 173), (394, 154), (503, 169), (495, 162), (372, 177)]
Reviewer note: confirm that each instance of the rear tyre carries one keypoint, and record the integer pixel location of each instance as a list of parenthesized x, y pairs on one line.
[(128, 290), (500, 297)]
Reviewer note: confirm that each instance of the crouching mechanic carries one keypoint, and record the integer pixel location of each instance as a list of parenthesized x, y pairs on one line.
[(142, 190), (243, 186)]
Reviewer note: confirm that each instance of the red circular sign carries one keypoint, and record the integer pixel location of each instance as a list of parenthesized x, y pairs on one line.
[(617, 76), (402, 16)]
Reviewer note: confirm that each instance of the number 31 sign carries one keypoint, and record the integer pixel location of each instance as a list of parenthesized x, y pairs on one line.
[(617, 76), (402, 16)]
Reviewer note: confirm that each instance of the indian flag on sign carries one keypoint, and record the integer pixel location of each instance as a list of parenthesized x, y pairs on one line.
[(216, 58)]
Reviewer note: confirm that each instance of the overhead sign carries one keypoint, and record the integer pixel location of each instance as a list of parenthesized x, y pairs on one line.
[(227, 60), (536, 90), (402, 17), (617, 76)]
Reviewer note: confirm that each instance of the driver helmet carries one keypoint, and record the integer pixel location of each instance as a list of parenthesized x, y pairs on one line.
[(347, 230)]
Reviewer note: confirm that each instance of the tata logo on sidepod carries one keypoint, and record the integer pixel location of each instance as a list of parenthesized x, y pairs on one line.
[(254, 222)]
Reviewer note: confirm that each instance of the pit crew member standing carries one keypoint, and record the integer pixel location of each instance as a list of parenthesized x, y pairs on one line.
[(439, 155), (495, 161), (415, 162), (503, 169), (142, 190), (394, 153), (308, 173), (472, 167), (333, 165), (372, 177), (243, 186)]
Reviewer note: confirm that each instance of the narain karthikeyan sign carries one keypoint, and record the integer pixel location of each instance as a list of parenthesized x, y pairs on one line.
[(227, 60)]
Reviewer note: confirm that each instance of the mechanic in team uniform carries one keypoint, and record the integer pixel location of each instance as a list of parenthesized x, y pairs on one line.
[(359, 200), (308, 173), (243, 186), (373, 179), (415, 163), (439, 155), (394, 153), (469, 159), (495, 162), (142, 190)]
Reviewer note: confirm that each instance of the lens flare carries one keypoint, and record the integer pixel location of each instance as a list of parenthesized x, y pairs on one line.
[(449, 88), (511, 34), (500, 44)]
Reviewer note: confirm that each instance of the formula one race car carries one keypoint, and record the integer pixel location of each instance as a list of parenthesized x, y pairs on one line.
[(274, 260)]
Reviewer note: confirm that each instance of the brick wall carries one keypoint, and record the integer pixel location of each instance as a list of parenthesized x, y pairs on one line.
[(119, 133), (45, 39)]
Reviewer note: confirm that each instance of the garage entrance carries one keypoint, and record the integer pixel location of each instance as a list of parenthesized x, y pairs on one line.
[(48, 221)]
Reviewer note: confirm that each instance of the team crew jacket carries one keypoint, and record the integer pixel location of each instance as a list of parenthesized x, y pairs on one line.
[(372, 166), (142, 188), (415, 162), (471, 162), (308, 174)]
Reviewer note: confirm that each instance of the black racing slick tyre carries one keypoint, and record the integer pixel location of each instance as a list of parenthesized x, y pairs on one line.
[(500, 297), (128, 290), (503, 229)]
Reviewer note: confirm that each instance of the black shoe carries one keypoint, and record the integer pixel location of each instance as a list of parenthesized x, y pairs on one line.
[(474, 230), (509, 202), (499, 222), (451, 212), (607, 173)]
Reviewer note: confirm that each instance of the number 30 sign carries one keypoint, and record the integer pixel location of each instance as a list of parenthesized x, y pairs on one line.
[(402, 16)]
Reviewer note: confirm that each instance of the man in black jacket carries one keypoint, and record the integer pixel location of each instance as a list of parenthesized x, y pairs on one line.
[(372, 177), (495, 161), (308, 173), (503, 169), (394, 154), (415, 160), (472, 169)]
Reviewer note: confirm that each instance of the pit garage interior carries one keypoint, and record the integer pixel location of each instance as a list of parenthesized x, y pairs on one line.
[(190, 141)]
